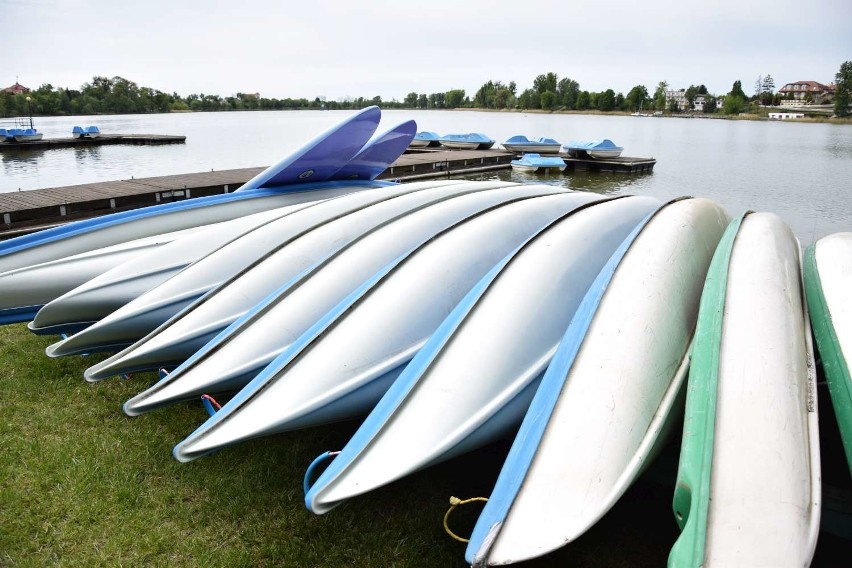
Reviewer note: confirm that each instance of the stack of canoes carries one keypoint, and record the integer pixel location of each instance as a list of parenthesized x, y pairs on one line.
[(588, 325)]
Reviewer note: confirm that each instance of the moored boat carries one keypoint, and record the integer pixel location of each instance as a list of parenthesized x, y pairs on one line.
[(536, 162), (600, 149), (424, 139), (748, 484), (471, 141), (611, 393), (85, 132), (828, 283), (521, 143), (26, 135)]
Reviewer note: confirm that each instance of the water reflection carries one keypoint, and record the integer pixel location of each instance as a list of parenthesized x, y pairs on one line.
[(596, 182)]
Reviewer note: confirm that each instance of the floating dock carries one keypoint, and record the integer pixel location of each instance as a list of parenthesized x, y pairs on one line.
[(102, 140), (23, 212)]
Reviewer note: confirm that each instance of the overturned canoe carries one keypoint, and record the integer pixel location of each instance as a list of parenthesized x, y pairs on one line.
[(232, 359), (333, 277), (342, 365), (483, 364), (609, 392), (304, 236), (748, 485), (828, 283), (103, 293)]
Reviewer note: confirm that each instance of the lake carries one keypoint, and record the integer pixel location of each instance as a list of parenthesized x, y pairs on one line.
[(802, 172)]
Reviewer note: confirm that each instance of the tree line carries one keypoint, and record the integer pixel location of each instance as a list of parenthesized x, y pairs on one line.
[(118, 95)]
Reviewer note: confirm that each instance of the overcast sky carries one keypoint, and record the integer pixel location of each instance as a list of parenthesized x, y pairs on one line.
[(336, 49)]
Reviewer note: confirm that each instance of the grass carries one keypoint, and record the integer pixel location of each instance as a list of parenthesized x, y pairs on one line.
[(81, 484)]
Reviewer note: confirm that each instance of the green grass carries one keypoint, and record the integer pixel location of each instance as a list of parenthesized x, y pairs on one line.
[(81, 484)]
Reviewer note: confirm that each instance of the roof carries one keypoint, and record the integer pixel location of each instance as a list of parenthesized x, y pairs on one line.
[(812, 86), (17, 88)]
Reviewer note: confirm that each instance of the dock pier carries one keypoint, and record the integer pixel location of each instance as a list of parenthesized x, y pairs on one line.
[(102, 140), (24, 212)]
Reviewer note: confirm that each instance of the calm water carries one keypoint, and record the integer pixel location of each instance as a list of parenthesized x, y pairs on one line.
[(802, 172)]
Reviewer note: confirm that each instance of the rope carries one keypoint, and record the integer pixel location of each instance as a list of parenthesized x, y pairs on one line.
[(306, 482), (210, 404), (455, 502)]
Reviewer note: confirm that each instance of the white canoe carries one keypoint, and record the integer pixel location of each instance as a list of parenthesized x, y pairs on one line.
[(234, 357), (608, 393), (828, 283), (748, 487), (35, 285), (348, 267), (304, 237), (343, 364), (104, 293), (481, 367)]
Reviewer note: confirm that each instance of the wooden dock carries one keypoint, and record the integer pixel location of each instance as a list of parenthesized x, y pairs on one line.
[(27, 211), (622, 164), (102, 140)]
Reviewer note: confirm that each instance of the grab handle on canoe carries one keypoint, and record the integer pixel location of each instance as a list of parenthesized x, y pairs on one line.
[(210, 404), (456, 502), (306, 482)]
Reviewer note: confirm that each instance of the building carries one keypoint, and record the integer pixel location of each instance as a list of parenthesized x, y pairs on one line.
[(805, 92), (698, 101), (17, 89), (786, 115)]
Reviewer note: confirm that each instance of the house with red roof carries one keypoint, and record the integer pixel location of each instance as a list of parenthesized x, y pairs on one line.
[(805, 92), (17, 89)]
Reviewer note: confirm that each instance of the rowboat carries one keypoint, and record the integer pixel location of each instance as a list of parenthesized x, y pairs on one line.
[(611, 393), (374, 332), (521, 143), (748, 484), (401, 224), (483, 364), (828, 283), (302, 237), (238, 354)]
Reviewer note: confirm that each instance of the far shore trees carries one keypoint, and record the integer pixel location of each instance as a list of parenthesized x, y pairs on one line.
[(843, 93)]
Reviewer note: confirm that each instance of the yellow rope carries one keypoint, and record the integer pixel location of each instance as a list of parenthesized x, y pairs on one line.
[(455, 502)]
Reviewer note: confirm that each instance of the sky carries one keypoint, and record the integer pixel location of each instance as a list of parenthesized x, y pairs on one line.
[(388, 48)]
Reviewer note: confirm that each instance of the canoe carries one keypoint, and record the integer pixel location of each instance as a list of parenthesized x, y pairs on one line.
[(30, 287), (828, 284), (748, 484), (303, 237), (374, 332), (609, 396), (239, 353), (417, 217), (483, 364), (104, 293)]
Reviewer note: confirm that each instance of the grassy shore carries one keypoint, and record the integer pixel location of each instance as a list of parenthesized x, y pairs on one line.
[(81, 484)]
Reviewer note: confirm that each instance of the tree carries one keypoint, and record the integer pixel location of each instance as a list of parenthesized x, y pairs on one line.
[(548, 100), (529, 99), (843, 92), (422, 101), (636, 98), (709, 103), (583, 100), (454, 98), (567, 91), (758, 85), (606, 100), (737, 90), (690, 95), (734, 104), (660, 95), (410, 100), (546, 82)]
